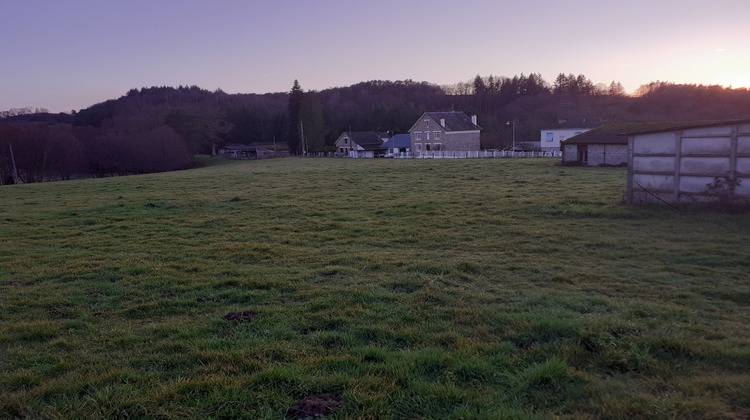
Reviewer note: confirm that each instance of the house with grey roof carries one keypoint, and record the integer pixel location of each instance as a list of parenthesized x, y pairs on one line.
[(444, 131), (365, 144)]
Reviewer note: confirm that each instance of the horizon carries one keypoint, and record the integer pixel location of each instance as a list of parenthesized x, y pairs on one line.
[(106, 49)]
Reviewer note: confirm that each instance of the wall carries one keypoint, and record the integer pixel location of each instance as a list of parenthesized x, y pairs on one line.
[(558, 135), (598, 154), (679, 166)]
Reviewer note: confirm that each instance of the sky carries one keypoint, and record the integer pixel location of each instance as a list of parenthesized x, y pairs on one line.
[(68, 55)]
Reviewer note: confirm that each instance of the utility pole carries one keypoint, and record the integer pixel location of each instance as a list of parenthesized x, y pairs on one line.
[(513, 126), (13, 159)]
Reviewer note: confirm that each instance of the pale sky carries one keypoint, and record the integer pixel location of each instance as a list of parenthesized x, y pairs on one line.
[(70, 54)]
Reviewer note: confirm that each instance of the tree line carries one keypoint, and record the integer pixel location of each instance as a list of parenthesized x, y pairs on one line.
[(161, 128)]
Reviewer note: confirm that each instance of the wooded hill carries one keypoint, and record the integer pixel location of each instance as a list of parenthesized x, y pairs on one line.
[(160, 128)]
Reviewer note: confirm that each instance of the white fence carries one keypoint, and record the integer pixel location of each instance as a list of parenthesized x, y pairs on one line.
[(476, 154)]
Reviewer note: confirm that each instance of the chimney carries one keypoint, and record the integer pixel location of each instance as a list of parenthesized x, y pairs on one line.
[(474, 119), (442, 122)]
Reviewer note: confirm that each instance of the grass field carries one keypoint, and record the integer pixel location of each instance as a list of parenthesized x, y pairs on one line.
[(409, 288)]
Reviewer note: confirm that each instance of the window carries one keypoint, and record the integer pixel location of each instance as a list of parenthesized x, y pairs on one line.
[(418, 146), (437, 135), (426, 123), (419, 136), (437, 146), (427, 147), (427, 135), (550, 137)]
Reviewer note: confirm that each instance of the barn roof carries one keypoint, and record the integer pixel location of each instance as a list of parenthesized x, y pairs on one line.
[(399, 140), (618, 133), (647, 128), (364, 138), (454, 121)]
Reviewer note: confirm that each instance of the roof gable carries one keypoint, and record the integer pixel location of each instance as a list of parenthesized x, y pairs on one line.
[(454, 121)]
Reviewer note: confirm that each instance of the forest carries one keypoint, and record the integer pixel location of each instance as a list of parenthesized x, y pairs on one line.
[(161, 128)]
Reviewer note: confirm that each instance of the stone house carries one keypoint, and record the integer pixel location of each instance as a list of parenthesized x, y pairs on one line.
[(444, 131)]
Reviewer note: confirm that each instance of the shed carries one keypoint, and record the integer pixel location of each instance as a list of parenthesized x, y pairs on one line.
[(603, 146), (400, 143), (689, 162)]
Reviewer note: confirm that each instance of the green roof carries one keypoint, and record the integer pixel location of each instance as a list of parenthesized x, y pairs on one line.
[(618, 133)]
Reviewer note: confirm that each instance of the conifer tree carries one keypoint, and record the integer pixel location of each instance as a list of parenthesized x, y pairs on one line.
[(293, 110)]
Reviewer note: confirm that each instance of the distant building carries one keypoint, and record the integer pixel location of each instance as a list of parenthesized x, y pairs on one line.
[(552, 138), (254, 150), (444, 131), (398, 144), (364, 144), (603, 146)]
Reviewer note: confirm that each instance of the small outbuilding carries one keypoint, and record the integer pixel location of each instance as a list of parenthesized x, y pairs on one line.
[(603, 146), (397, 145), (689, 162)]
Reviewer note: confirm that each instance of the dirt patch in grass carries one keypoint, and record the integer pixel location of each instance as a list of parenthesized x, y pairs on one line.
[(94, 294), (315, 406), (244, 316), (18, 283), (206, 299)]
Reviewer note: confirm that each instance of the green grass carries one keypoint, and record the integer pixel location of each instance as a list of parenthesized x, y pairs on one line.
[(413, 289)]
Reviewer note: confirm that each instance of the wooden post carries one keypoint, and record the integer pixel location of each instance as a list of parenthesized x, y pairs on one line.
[(13, 159)]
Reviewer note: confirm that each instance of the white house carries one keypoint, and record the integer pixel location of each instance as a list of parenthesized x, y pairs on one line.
[(551, 138)]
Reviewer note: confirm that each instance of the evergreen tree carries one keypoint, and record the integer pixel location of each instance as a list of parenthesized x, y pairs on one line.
[(311, 115), (293, 114)]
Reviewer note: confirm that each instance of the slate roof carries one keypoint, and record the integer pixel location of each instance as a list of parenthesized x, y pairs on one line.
[(454, 121), (647, 128), (606, 134), (399, 140), (364, 138), (618, 133)]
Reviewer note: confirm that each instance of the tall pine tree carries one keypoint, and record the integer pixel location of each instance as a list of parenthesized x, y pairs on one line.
[(294, 107)]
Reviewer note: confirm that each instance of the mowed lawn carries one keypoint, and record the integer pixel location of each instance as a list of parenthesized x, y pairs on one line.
[(408, 288)]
